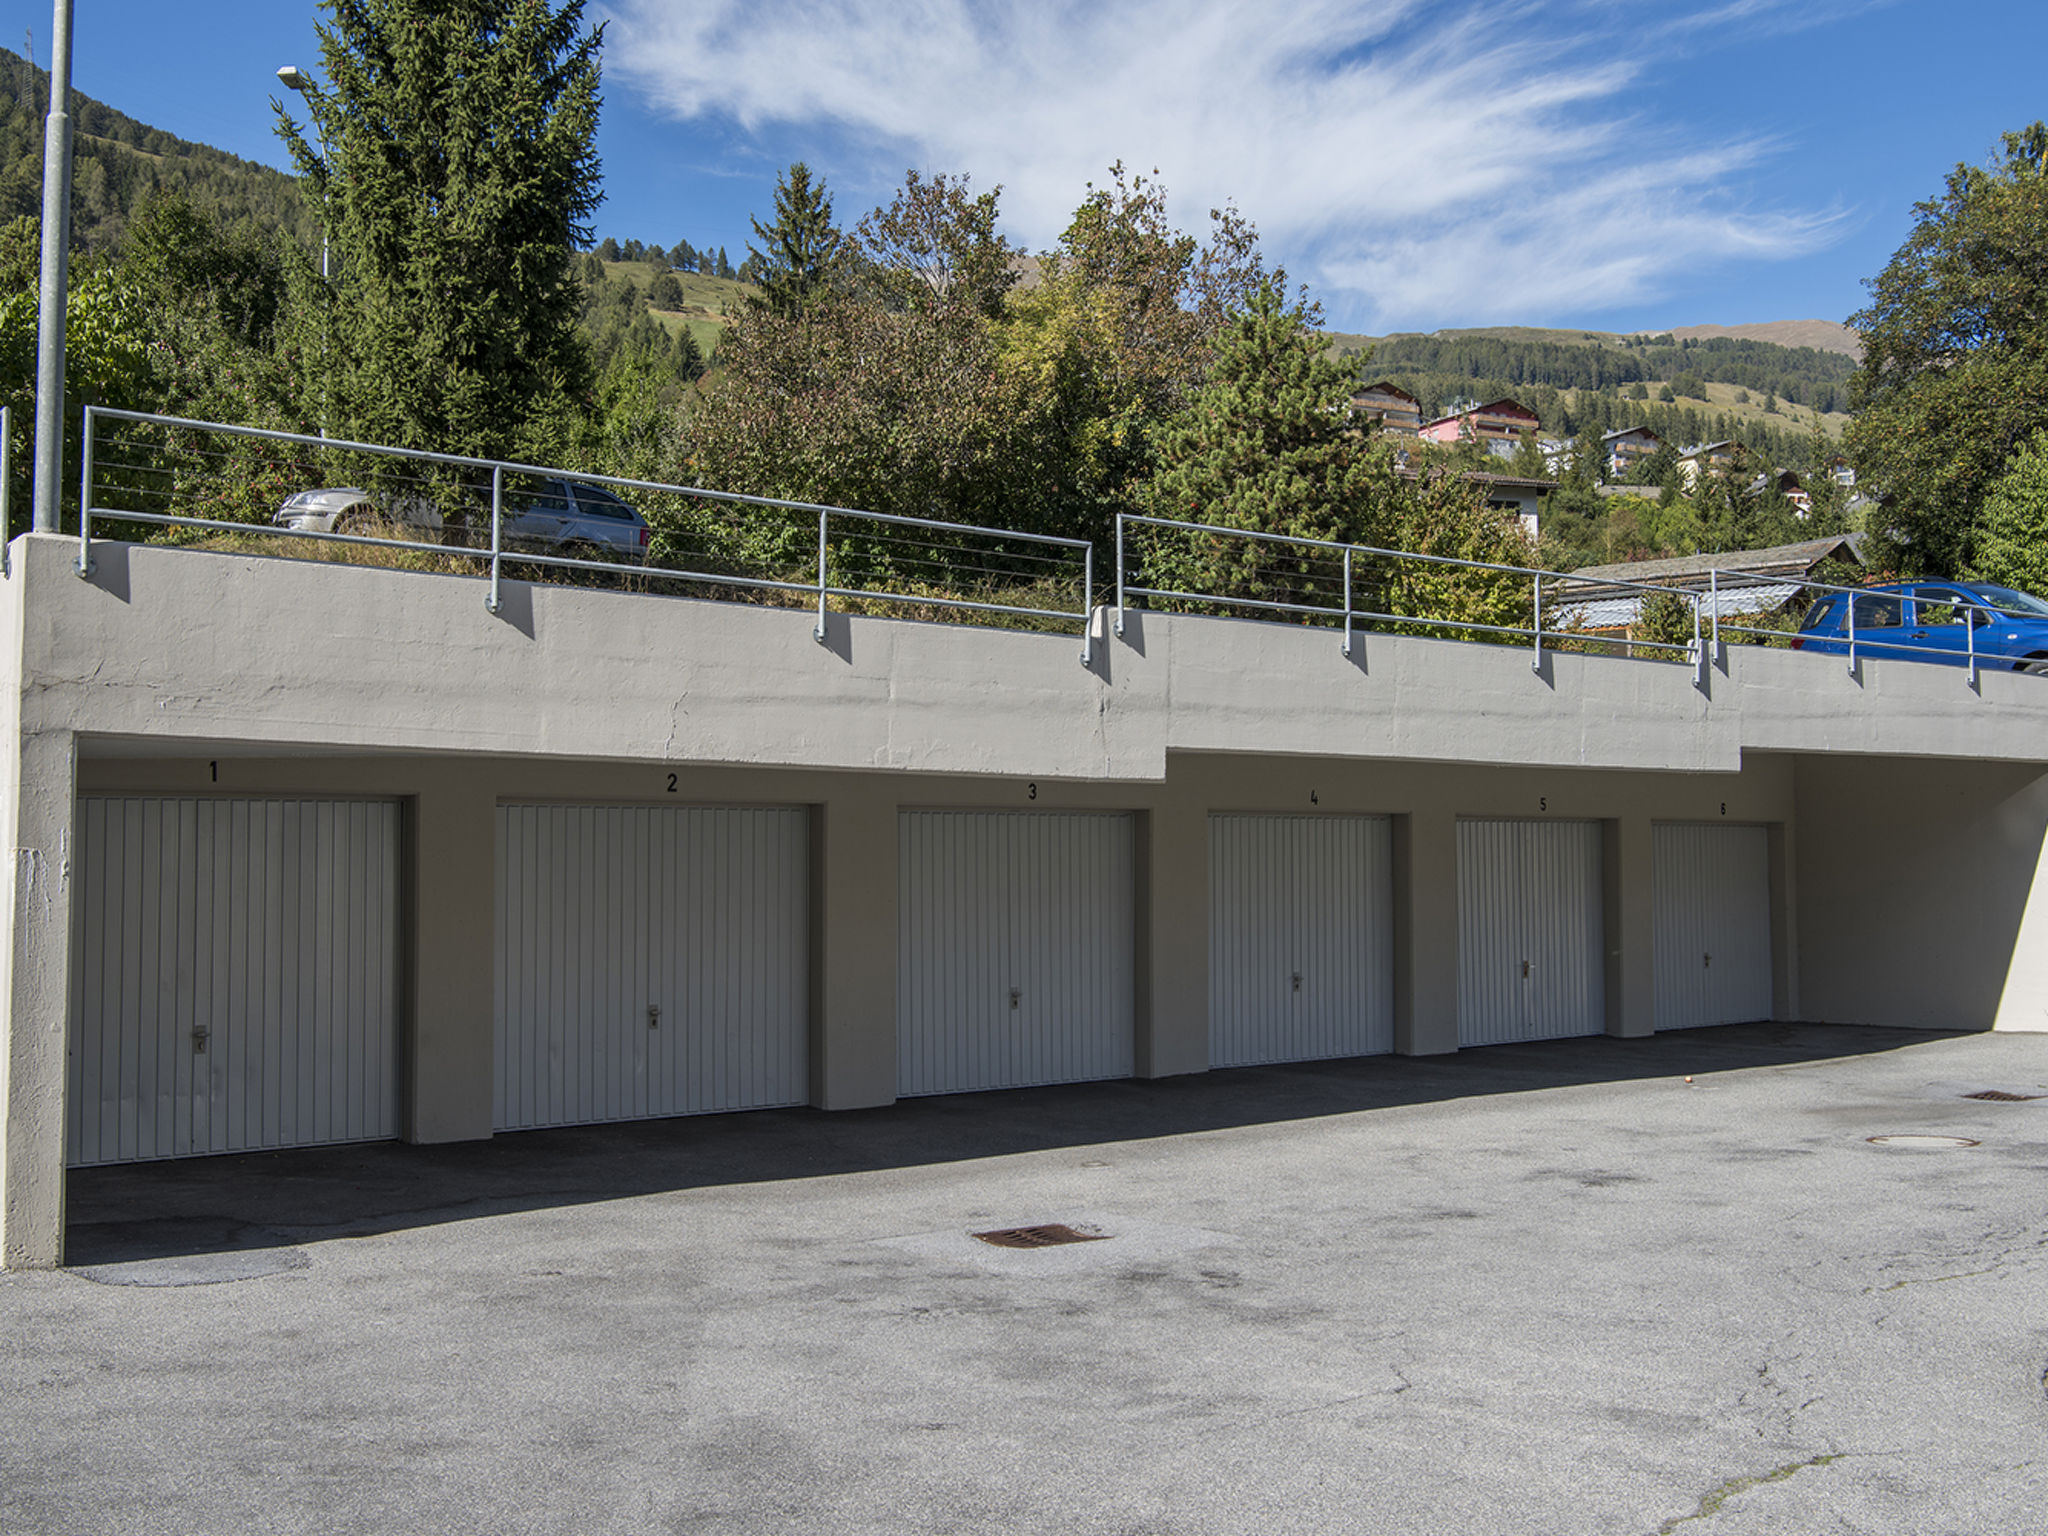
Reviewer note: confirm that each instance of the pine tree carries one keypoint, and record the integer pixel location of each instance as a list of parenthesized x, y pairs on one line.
[(1267, 443), (457, 174), (805, 250)]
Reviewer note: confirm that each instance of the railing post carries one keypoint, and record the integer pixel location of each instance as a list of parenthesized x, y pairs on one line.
[(1119, 575), (1970, 639), (1088, 604), (1347, 600), (818, 634), (6, 489), (1714, 591), (497, 532), (85, 497), (1852, 633), (1699, 645), (1536, 659)]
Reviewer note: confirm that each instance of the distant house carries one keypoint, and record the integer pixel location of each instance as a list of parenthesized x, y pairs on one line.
[(1712, 459), (1745, 583), (1626, 447), (1507, 493), (1496, 426), (1398, 413), (1788, 485)]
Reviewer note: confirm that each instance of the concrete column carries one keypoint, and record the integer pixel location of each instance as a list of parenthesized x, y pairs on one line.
[(452, 987), (1173, 940), (1784, 927), (854, 853), (38, 796), (1426, 933), (1628, 897)]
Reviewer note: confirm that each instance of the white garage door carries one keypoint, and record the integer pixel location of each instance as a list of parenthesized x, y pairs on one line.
[(651, 961), (1713, 925), (1016, 946), (1529, 931), (1301, 938), (238, 976)]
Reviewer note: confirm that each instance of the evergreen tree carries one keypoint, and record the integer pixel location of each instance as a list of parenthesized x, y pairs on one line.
[(1266, 443), (805, 251), (608, 249), (457, 175), (724, 267)]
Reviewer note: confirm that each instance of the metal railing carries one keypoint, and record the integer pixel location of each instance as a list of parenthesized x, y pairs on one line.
[(1854, 645), (165, 471), (1327, 580), (1344, 585)]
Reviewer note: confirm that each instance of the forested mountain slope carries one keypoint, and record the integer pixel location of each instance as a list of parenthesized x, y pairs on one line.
[(1690, 389), (119, 162)]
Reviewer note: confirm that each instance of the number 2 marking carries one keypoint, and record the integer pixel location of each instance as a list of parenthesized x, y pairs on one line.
[(671, 783)]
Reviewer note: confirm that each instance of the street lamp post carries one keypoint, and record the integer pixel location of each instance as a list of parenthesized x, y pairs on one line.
[(55, 275), (295, 79)]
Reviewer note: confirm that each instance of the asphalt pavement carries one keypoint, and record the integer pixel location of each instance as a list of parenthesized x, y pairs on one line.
[(1583, 1287)]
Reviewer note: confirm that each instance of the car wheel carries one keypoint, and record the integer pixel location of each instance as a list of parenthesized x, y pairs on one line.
[(2038, 665), (355, 520)]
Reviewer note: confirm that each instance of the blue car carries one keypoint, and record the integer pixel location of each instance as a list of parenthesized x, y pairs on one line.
[(1938, 621)]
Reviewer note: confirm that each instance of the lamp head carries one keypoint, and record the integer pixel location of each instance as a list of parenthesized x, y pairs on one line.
[(295, 79)]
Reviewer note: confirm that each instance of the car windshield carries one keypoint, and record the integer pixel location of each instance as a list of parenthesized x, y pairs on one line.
[(2017, 602)]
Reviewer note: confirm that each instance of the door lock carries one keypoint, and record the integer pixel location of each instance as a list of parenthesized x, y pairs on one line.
[(1016, 997), (1297, 981), (199, 1036), (654, 1015)]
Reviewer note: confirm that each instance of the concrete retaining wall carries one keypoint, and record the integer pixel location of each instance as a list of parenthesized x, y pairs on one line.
[(1907, 811)]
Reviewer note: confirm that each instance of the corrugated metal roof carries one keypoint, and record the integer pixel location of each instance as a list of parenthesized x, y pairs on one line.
[(1786, 558), (1621, 612)]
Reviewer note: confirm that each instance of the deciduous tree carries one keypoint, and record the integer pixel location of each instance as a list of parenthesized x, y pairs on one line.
[(1955, 353)]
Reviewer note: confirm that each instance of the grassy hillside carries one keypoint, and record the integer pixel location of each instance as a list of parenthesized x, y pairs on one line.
[(706, 300), (1823, 335)]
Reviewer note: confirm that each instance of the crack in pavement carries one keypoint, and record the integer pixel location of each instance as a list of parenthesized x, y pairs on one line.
[(1712, 1500)]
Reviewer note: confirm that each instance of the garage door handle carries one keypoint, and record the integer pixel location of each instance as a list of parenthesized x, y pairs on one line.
[(654, 1015), (199, 1040), (1016, 997), (1525, 969), (1297, 981), (1705, 961)]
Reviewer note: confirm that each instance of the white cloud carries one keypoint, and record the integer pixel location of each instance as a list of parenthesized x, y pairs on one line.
[(1418, 163)]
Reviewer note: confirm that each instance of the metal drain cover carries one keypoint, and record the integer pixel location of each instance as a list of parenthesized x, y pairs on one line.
[(2000, 1096), (1051, 1235), (1915, 1139)]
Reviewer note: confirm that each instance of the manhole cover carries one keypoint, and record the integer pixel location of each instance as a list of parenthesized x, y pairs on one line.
[(1913, 1139), (1051, 1235), (2000, 1096)]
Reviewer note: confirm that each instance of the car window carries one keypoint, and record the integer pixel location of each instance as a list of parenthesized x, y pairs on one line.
[(2018, 602), (1936, 605), (1878, 611), (596, 501), (1821, 612)]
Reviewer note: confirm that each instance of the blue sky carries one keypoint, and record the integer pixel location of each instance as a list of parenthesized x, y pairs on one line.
[(1614, 164)]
